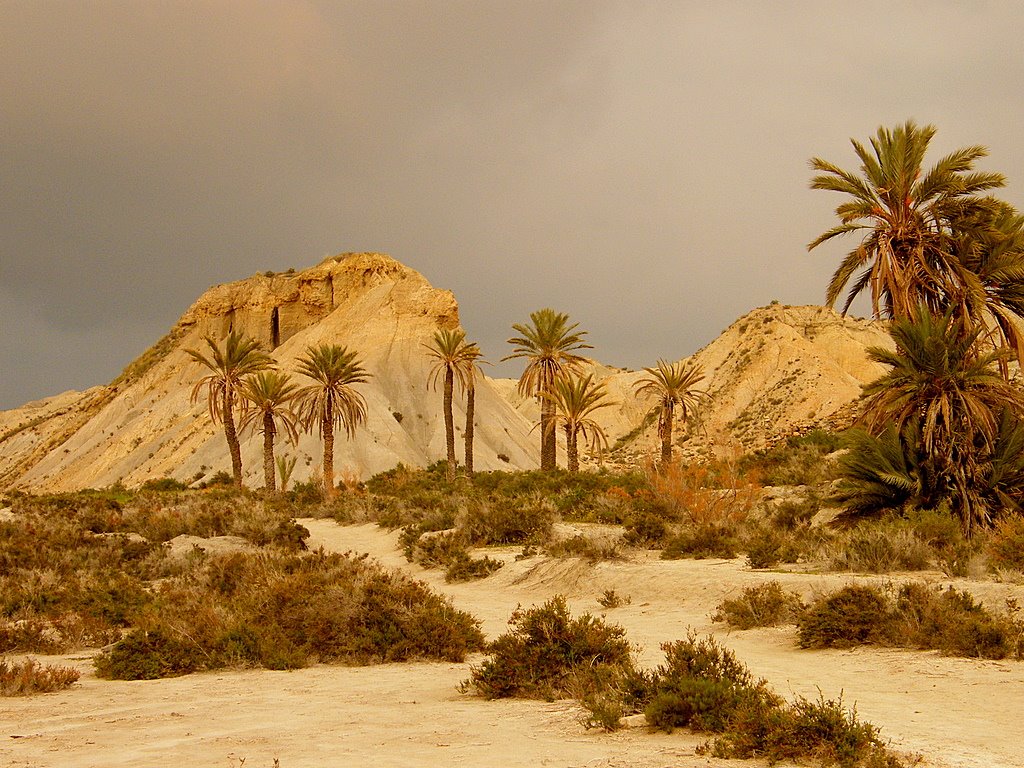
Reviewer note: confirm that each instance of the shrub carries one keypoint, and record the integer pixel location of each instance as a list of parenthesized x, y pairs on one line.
[(701, 541), (143, 655), (279, 610), (466, 568), (767, 546), (1006, 544), (29, 677), (800, 460), (547, 651), (591, 550), (701, 685), (880, 548), (914, 616), (646, 529), (823, 730), (163, 485), (612, 599), (765, 605), (853, 615)]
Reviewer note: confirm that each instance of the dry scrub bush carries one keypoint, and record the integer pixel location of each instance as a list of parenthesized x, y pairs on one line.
[(590, 549), (704, 494), (547, 654), (701, 685), (29, 677), (280, 611), (765, 605), (1006, 544), (912, 616), (704, 687)]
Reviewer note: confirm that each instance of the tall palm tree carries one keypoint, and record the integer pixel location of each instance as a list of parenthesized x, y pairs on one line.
[(473, 356), (575, 400), (454, 362), (549, 345), (331, 401), (267, 400), (906, 218), (947, 388), (672, 385), (239, 357)]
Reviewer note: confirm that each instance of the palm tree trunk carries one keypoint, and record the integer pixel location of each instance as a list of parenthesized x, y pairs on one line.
[(328, 429), (449, 421), (665, 427), (232, 437), (548, 456), (571, 449), (269, 477), (470, 415)]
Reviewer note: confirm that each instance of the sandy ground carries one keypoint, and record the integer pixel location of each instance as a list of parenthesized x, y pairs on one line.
[(955, 713)]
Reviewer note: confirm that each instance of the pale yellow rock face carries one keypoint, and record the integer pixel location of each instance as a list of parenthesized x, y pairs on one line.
[(144, 425)]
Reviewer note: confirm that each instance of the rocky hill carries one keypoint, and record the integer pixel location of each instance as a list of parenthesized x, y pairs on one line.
[(776, 371), (143, 424)]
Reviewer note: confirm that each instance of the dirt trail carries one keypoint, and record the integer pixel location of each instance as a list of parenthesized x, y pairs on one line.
[(958, 713)]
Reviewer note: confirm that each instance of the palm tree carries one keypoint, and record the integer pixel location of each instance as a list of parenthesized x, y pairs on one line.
[(575, 400), (943, 385), (473, 368), (331, 401), (907, 219), (240, 357), (455, 360), (549, 345), (673, 385), (267, 399)]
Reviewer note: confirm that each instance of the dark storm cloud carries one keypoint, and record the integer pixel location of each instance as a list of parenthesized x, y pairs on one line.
[(642, 166)]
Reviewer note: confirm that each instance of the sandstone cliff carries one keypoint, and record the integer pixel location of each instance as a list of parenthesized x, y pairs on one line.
[(143, 424)]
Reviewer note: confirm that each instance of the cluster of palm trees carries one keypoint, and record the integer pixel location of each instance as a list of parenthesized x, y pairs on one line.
[(943, 261), (243, 377), (550, 344)]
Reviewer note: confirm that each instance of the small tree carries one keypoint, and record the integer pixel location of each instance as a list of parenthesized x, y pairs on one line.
[(239, 357), (331, 401), (672, 385)]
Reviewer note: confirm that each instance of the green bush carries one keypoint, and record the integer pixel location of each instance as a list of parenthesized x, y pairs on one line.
[(701, 685), (765, 605), (853, 615), (702, 541), (914, 616), (162, 485), (646, 529), (547, 651)]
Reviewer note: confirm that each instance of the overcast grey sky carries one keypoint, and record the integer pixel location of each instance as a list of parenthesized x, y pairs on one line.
[(642, 166)]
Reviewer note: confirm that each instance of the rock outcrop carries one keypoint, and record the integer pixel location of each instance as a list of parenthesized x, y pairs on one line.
[(144, 425)]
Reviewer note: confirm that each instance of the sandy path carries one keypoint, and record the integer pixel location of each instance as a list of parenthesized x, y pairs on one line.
[(958, 713)]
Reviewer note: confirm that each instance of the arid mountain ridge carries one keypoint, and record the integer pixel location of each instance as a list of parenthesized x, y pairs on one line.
[(775, 371)]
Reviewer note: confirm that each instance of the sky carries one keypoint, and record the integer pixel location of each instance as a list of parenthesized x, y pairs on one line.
[(640, 166)]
